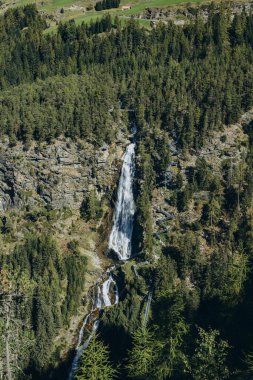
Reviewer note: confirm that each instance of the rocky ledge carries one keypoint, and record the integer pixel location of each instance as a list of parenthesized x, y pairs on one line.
[(58, 174), (179, 14)]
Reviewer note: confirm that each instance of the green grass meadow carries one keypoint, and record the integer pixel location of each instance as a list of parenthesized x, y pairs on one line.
[(73, 9)]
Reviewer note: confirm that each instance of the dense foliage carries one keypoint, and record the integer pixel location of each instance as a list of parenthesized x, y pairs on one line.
[(107, 4), (204, 77), (95, 364), (175, 83), (42, 289), (81, 106)]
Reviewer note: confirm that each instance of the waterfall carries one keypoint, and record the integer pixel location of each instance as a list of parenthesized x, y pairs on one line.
[(121, 234), (81, 347), (102, 299), (120, 243), (106, 291), (150, 294), (97, 304), (103, 293), (81, 332), (116, 293)]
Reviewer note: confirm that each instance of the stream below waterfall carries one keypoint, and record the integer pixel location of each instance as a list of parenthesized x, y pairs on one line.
[(120, 243)]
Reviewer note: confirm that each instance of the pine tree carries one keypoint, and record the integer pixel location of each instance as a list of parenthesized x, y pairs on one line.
[(209, 359), (90, 207), (249, 363), (94, 362), (142, 356)]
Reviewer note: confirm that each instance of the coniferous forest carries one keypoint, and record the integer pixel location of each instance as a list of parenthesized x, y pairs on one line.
[(180, 86), (107, 4)]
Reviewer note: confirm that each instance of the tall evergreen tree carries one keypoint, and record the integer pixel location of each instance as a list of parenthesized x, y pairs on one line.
[(94, 362)]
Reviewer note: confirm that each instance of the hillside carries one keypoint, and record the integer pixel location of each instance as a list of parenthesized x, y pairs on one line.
[(56, 11), (126, 194)]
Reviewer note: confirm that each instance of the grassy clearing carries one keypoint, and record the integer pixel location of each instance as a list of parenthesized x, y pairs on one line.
[(137, 6), (52, 6), (75, 9), (56, 4)]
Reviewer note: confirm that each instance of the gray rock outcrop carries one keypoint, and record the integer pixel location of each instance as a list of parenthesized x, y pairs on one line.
[(58, 174), (179, 14)]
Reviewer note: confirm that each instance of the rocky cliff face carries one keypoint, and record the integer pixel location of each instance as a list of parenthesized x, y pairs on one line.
[(228, 146), (60, 175), (57, 174), (183, 13)]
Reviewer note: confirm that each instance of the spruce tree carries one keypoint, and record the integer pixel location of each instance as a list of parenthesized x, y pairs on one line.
[(209, 359), (141, 358), (94, 362)]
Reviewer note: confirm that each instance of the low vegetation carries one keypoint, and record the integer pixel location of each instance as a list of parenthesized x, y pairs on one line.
[(85, 11)]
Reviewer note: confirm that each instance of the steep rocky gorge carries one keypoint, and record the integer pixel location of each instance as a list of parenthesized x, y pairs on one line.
[(42, 189)]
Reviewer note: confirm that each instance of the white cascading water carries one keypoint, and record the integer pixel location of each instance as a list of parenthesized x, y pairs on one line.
[(102, 300), (97, 303), (81, 332), (103, 292), (106, 291), (79, 348), (150, 294), (120, 243), (121, 234)]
